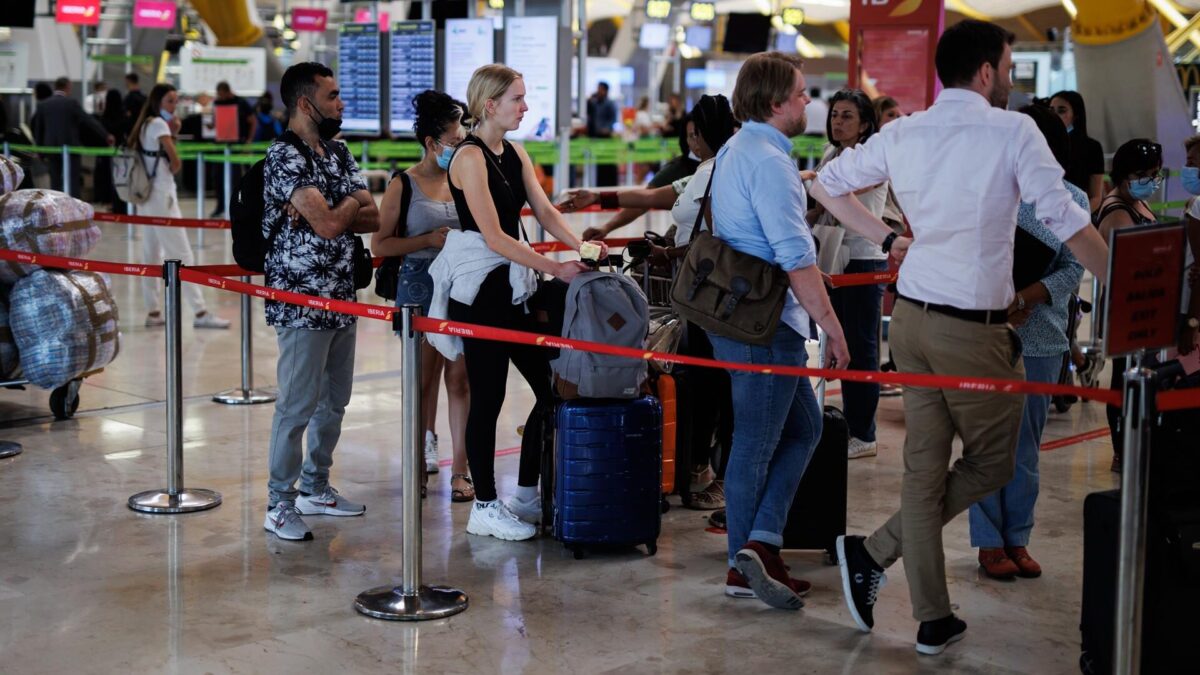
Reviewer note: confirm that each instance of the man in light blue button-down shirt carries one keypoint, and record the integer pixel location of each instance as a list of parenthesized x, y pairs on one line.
[(758, 208)]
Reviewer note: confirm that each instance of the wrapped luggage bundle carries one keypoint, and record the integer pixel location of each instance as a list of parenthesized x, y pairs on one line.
[(11, 174), (47, 223), (65, 324), (9, 361)]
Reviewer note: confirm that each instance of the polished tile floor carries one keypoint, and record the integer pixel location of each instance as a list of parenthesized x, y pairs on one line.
[(88, 586)]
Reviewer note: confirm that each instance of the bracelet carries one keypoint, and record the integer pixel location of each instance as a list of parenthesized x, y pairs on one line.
[(888, 241), (609, 200)]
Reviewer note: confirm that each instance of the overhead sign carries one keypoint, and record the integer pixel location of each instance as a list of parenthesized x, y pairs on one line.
[(358, 66), (414, 69), (79, 12), (306, 20), (202, 67), (14, 65), (1145, 283), (531, 48), (703, 11), (154, 14), (658, 9), (470, 43)]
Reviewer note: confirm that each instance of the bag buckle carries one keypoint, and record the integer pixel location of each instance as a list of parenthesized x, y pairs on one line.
[(739, 288), (703, 269)]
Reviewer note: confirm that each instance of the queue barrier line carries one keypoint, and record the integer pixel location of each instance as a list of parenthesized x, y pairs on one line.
[(1171, 400)]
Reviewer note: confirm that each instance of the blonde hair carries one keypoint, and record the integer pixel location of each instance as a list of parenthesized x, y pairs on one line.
[(488, 82), (765, 80)]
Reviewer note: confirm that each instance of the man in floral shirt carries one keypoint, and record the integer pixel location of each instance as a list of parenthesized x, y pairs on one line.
[(315, 201)]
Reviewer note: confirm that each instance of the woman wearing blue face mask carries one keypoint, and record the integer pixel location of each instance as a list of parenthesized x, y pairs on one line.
[(1191, 290), (1136, 176), (419, 239)]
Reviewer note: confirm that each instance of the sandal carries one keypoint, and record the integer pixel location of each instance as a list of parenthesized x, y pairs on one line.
[(462, 494), (710, 498)]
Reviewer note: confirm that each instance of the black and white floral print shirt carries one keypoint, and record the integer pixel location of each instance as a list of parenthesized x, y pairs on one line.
[(299, 259)]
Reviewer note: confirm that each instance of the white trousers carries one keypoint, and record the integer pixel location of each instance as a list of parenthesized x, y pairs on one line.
[(166, 243)]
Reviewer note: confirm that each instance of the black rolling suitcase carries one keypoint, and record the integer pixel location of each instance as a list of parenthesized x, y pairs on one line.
[(818, 513)]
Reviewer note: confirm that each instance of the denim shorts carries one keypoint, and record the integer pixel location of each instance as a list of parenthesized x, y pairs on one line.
[(415, 286)]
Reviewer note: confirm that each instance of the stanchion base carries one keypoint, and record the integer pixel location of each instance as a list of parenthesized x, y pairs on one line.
[(159, 501), (246, 396), (9, 449), (430, 602)]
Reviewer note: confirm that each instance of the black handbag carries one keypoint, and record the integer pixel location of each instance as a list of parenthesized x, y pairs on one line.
[(387, 277), (362, 264)]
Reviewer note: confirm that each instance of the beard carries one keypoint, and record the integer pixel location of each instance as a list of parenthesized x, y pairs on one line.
[(800, 125), (999, 96)]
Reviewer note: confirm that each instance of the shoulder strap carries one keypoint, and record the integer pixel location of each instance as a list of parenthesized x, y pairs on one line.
[(290, 137), (474, 140), (1118, 205), (705, 213), (405, 202)]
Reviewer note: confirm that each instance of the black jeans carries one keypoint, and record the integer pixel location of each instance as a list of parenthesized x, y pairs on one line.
[(711, 395), (859, 309), (487, 375), (1115, 417)]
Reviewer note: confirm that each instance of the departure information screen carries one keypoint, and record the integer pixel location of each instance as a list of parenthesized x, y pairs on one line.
[(414, 69), (359, 78)]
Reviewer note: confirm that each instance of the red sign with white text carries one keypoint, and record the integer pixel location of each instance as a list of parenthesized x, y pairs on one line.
[(80, 12), (1145, 282), (892, 43), (309, 20), (154, 14)]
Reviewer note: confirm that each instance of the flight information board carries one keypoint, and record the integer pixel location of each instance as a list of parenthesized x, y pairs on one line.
[(470, 43), (414, 69), (531, 48), (358, 77)]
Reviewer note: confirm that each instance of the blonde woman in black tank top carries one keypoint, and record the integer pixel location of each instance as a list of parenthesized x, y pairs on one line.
[(491, 180)]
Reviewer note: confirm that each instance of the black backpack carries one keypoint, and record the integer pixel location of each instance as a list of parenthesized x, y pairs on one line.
[(246, 211), (387, 276)]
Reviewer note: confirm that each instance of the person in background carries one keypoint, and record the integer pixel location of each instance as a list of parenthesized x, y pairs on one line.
[(1001, 522), (60, 120), (491, 180), (94, 103), (680, 167), (153, 137), (1136, 175), (431, 215), (1085, 170), (602, 115), (135, 100), (851, 121), (268, 125), (1189, 326), (315, 204), (888, 110), (816, 112), (115, 123), (247, 128), (674, 119)]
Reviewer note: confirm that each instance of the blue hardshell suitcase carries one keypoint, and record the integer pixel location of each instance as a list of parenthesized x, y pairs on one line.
[(608, 473)]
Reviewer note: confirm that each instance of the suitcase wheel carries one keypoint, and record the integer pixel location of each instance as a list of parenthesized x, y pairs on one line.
[(652, 548), (666, 505), (577, 551)]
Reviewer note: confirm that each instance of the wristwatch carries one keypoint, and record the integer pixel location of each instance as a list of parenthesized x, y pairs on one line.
[(888, 241)]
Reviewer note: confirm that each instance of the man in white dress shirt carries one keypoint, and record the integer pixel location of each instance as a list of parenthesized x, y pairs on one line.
[(959, 171)]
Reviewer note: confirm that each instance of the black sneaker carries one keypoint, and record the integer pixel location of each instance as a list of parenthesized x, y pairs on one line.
[(862, 578), (934, 636)]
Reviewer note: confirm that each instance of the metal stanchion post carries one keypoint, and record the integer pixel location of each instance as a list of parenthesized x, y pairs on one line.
[(10, 449), (66, 171), (410, 601), (1140, 391), (174, 499), (246, 394), (7, 152), (200, 187)]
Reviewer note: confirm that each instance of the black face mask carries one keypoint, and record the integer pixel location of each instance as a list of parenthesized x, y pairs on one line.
[(327, 127)]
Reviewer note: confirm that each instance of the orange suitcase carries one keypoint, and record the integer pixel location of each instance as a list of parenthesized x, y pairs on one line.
[(667, 396)]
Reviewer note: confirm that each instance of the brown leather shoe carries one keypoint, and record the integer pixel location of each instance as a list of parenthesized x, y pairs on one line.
[(997, 565), (1029, 568)]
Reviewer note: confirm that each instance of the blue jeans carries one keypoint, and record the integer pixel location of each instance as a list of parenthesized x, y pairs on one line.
[(1005, 517), (776, 426), (415, 285), (859, 309)]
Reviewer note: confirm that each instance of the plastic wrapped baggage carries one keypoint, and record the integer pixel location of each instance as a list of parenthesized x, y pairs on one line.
[(9, 359), (47, 223), (11, 174), (65, 324)]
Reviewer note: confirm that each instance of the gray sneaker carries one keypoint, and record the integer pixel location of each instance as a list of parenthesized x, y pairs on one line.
[(284, 521), (328, 502)]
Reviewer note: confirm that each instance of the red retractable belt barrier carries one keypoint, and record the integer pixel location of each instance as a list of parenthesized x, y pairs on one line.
[(204, 223), (82, 265)]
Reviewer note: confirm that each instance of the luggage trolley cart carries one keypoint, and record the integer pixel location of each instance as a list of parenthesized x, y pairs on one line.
[(64, 400)]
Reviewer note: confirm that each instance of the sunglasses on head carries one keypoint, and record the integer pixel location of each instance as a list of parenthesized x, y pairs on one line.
[(1149, 149)]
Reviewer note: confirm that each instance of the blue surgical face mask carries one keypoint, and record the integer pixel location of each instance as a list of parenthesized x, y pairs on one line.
[(166, 115), (443, 160), (1143, 188), (1190, 176), (1070, 128)]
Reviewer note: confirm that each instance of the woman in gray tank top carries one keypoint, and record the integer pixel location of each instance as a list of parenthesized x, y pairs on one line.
[(431, 214)]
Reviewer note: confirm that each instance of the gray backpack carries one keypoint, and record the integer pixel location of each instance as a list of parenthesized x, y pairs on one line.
[(608, 308)]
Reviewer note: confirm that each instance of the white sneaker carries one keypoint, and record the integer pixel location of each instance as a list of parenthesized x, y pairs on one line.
[(155, 320), (328, 502), (528, 511), (284, 521), (431, 455), (493, 519), (210, 320), (859, 448)]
